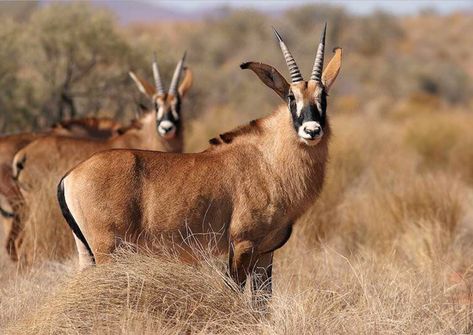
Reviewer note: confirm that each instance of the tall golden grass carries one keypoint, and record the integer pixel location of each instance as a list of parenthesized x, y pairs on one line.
[(386, 249), (46, 235)]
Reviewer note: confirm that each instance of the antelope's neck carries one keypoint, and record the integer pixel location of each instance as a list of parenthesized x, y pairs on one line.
[(298, 168), (174, 145), (147, 138)]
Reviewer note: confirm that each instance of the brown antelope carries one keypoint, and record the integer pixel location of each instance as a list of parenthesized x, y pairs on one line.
[(50, 157), (11, 144), (248, 188)]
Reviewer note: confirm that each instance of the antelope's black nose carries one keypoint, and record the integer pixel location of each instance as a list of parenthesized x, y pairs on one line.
[(312, 132), (166, 126)]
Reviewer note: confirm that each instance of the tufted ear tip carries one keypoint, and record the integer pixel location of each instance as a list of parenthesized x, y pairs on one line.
[(245, 65)]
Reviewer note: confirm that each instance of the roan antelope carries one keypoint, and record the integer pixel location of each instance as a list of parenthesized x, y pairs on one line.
[(249, 187), (11, 144), (50, 157)]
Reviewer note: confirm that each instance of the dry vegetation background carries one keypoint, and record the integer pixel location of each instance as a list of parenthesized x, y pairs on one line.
[(388, 248)]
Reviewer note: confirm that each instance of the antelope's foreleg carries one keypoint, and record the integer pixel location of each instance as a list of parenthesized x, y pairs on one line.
[(261, 281), (240, 260), (13, 234)]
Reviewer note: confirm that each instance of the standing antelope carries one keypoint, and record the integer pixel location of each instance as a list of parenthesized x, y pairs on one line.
[(249, 187), (11, 144), (50, 157)]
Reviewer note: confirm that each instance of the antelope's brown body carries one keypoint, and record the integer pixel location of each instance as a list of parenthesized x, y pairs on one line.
[(249, 190)]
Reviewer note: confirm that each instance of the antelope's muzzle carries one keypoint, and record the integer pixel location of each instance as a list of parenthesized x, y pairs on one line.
[(310, 132), (167, 129)]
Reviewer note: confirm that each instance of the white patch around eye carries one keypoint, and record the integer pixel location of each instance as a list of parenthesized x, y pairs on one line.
[(319, 106), (300, 106), (160, 112), (174, 113), (317, 95), (299, 102)]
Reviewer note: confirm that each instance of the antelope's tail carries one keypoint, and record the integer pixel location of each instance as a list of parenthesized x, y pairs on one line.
[(70, 219)]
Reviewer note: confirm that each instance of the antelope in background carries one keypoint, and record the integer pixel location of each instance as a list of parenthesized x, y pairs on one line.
[(11, 144), (50, 157), (249, 187)]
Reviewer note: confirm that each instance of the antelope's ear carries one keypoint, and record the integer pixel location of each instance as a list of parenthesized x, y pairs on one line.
[(269, 76), (186, 82), (144, 86), (332, 69)]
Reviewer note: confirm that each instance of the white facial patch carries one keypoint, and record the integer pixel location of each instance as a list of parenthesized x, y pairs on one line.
[(300, 106), (160, 113), (310, 132), (167, 129), (299, 102), (317, 95), (174, 113)]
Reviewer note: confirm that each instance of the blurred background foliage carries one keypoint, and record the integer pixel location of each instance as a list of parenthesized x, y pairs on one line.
[(66, 60)]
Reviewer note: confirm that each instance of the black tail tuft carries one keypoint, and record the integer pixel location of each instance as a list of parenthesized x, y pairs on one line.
[(69, 218)]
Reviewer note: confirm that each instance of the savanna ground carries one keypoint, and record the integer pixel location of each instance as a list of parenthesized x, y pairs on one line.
[(387, 248)]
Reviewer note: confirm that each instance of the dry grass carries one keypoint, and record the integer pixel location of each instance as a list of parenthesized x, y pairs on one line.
[(46, 234), (387, 249), (323, 292), (444, 141)]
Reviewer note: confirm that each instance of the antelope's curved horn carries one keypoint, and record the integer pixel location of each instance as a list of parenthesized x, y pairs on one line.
[(177, 75), (319, 58), (291, 63), (157, 77)]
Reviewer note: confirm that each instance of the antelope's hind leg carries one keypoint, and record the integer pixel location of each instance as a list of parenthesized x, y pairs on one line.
[(85, 258)]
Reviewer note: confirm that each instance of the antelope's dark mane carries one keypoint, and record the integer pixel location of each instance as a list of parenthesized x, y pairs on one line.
[(88, 122), (254, 127), (134, 124)]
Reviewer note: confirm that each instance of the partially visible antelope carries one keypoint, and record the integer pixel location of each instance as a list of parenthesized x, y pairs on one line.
[(50, 157), (11, 144), (249, 187)]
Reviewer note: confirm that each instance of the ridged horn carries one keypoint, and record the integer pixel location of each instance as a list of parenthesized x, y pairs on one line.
[(177, 75), (319, 58), (157, 77), (296, 75)]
